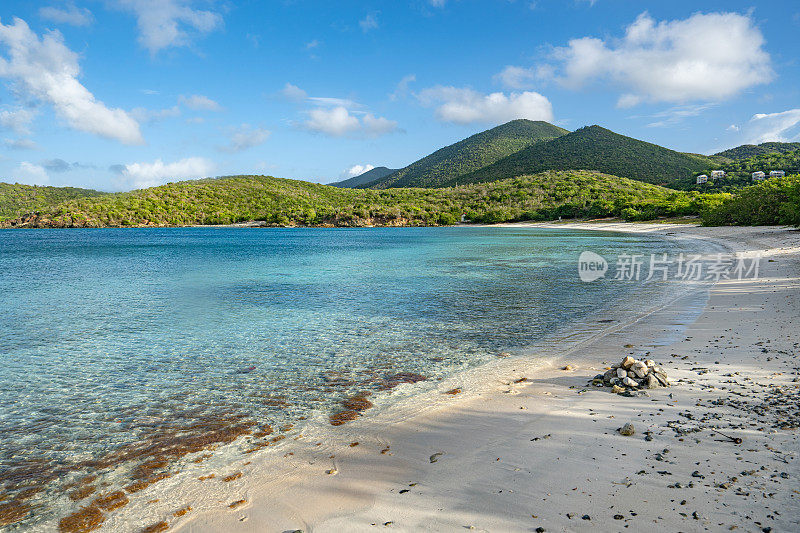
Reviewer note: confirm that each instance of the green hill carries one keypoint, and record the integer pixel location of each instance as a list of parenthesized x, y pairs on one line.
[(289, 202), (17, 199), (376, 173), (596, 148), (747, 151), (449, 163)]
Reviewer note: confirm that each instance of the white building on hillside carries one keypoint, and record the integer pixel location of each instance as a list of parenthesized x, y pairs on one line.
[(758, 176), (702, 178), (717, 174), (776, 173)]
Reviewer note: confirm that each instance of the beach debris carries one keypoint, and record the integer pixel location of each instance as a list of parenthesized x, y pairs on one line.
[(735, 440), (568, 367), (453, 392), (631, 375), (332, 472), (626, 430), (435, 457), (237, 503)]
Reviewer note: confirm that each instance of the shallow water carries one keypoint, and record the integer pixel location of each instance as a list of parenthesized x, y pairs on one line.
[(124, 350)]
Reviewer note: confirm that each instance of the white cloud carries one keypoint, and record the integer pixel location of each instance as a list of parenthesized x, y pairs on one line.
[(143, 175), (17, 120), (401, 90), (732, 127), (166, 23), (465, 106), (438, 3), (21, 144), (515, 77), (340, 122), (244, 137), (310, 45), (69, 14), (370, 22), (355, 170), (198, 102), (48, 71), (677, 114), (31, 174), (707, 57), (293, 92), (154, 115), (765, 127)]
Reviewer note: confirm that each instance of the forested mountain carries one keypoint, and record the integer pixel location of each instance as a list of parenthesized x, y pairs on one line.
[(447, 165), (747, 151), (596, 148), (367, 177)]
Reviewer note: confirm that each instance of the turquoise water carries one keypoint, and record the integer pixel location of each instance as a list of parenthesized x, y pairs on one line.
[(119, 347)]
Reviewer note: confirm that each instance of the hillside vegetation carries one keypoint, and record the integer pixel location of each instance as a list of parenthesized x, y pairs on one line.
[(739, 172), (17, 199), (772, 202), (367, 177), (447, 165), (747, 151), (288, 202), (596, 148)]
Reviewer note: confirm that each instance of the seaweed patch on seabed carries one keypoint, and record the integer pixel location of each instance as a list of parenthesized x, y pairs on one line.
[(164, 441), (146, 461)]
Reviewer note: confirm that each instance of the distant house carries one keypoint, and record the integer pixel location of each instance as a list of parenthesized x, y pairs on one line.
[(717, 174), (776, 173), (758, 176), (702, 178)]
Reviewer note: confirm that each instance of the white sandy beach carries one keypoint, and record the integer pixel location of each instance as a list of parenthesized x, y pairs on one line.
[(544, 453)]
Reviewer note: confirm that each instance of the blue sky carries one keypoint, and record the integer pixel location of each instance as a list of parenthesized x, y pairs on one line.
[(121, 94)]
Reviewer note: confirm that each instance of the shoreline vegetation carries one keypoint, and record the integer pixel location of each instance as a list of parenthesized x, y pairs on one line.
[(522, 170), (269, 201)]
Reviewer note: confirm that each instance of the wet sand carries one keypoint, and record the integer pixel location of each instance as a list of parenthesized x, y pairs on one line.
[(536, 447)]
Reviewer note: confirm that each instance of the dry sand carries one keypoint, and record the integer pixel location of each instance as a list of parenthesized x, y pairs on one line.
[(545, 453)]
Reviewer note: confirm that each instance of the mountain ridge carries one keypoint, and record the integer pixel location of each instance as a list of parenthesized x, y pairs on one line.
[(476, 151)]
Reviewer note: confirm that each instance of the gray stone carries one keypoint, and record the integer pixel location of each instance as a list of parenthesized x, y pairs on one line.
[(621, 373), (628, 382), (628, 362), (627, 430), (652, 382)]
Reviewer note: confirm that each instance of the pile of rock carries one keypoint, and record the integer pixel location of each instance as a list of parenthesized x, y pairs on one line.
[(633, 374)]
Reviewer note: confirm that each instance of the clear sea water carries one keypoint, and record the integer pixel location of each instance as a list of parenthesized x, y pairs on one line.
[(114, 339)]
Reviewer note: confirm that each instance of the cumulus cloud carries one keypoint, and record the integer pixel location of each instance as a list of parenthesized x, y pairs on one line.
[(707, 57), (143, 175), (438, 3), (466, 106), (46, 70), (168, 23), (355, 170), (31, 174), (244, 137), (340, 122), (765, 127), (370, 22), (198, 102), (59, 165), (17, 120), (515, 77), (69, 14)]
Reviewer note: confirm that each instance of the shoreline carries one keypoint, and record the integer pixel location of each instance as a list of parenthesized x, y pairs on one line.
[(345, 487), (363, 489)]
